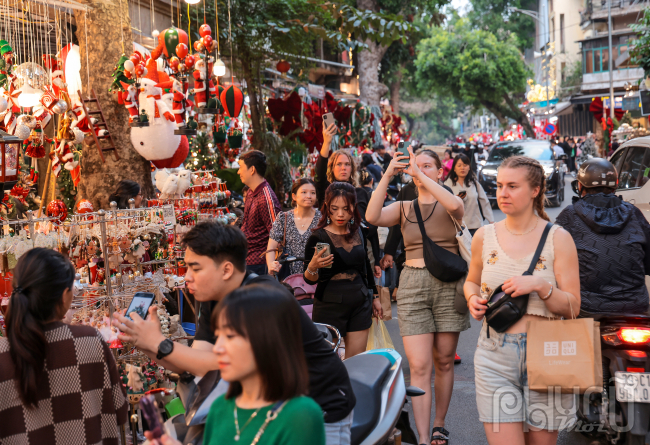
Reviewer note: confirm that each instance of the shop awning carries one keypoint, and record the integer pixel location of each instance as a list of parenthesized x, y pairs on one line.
[(586, 99)]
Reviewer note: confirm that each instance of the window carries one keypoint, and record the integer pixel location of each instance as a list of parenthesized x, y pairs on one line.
[(553, 29), (561, 32), (596, 55), (589, 62), (617, 159), (634, 172)]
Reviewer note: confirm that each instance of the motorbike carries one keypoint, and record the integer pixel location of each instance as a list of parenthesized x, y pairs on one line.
[(377, 381), (621, 412)]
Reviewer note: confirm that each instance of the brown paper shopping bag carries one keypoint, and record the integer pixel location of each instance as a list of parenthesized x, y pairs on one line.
[(384, 299), (564, 354)]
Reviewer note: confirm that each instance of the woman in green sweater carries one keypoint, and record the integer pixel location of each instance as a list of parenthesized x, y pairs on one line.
[(260, 353)]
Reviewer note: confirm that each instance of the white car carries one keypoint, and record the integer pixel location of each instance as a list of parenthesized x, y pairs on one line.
[(632, 162)]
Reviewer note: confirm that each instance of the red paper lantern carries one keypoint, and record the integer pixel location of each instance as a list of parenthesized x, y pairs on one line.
[(84, 206), (205, 30), (232, 101), (283, 66), (57, 209)]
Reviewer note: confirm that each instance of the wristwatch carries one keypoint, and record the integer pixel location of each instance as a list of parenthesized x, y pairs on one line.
[(165, 348)]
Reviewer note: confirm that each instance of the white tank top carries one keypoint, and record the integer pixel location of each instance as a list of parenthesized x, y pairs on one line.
[(498, 267)]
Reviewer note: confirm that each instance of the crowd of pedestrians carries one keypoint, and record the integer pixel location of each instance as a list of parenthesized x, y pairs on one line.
[(286, 385)]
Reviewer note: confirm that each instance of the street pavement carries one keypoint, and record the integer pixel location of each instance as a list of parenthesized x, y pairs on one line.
[(462, 417)]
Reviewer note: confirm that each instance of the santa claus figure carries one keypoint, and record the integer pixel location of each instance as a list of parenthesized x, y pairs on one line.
[(157, 142), (201, 97), (130, 100)]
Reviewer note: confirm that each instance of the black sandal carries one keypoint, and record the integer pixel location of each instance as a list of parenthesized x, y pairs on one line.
[(443, 434)]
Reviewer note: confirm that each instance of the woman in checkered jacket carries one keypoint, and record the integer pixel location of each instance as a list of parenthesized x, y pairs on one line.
[(58, 383)]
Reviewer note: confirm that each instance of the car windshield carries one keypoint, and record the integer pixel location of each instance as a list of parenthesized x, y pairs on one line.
[(539, 150)]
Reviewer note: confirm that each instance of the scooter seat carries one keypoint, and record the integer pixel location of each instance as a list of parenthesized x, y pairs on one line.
[(367, 373)]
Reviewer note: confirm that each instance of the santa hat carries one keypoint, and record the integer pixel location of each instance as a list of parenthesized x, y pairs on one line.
[(163, 77), (152, 70), (165, 85)]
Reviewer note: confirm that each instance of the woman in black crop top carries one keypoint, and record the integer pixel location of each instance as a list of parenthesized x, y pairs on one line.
[(345, 290)]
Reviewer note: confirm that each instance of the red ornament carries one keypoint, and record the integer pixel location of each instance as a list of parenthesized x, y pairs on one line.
[(181, 50), (198, 46), (283, 66), (57, 209), (189, 62), (139, 70), (174, 63), (207, 41), (84, 206), (205, 30), (135, 59)]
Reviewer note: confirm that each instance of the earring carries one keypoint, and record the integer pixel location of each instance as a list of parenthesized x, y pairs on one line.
[(351, 221), (328, 220)]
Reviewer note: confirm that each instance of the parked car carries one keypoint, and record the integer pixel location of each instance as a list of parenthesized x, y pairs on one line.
[(632, 162), (536, 149)]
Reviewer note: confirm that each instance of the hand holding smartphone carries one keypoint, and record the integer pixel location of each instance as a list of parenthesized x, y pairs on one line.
[(326, 247), (328, 119), (402, 149), (140, 304)]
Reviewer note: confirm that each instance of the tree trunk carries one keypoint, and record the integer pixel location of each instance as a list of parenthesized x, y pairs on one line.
[(101, 25), (254, 93), (394, 92), (370, 88)]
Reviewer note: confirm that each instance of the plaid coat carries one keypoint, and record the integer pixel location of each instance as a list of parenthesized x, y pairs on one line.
[(81, 398), (260, 210)]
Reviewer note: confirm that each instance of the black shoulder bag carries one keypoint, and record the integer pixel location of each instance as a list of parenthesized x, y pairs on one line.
[(441, 263), (506, 310), (478, 200)]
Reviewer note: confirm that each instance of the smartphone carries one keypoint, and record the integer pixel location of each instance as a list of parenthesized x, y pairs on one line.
[(402, 148), (152, 415), (462, 194), (328, 119), (319, 247), (140, 304)]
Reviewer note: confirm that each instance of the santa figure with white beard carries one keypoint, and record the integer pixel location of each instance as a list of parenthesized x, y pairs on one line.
[(157, 142)]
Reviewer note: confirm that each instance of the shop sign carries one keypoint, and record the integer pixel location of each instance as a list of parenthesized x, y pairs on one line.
[(631, 103)]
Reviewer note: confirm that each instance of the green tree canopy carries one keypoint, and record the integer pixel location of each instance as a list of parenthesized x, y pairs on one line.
[(475, 67), (496, 17)]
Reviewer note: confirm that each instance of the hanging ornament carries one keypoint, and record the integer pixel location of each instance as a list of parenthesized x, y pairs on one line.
[(189, 62), (182, 50), (155, 33), (169, 39), (129, 65), (232, 101), (84, 206), (219, 69), (174, 63), (57, 209), (198, 46), (283, 66), (205, 30), (207, 41)]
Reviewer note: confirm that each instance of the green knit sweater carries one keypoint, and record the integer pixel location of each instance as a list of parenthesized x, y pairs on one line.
[(299, 423)]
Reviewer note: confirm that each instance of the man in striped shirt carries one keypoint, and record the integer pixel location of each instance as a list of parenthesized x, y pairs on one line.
[(260, 209)]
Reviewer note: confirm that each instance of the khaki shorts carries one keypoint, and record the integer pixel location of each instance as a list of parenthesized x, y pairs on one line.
[(425, 304)]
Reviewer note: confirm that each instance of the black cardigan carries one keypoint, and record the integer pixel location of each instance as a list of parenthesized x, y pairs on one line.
[(338, 266)]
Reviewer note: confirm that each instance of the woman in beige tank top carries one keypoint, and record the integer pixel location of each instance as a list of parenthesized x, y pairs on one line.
[(501, 252), (429, 324)]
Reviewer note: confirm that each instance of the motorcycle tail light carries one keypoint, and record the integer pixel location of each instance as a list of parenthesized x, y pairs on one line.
[(630, 369), (634, 335), (637, 354), (612, 339)]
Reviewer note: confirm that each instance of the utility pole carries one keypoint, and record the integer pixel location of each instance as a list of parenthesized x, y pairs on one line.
[(611, 71)]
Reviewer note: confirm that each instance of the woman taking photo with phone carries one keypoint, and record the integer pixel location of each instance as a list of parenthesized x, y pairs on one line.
[(293, 228), (336, 258), (428, 322), (260, 353), (501, 253), (462, 181)]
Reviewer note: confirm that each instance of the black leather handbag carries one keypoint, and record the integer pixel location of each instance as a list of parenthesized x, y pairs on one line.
[(506, 310), (441, 263)]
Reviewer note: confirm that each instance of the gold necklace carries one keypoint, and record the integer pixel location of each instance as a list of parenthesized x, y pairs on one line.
[(238, 435), (505, 223)]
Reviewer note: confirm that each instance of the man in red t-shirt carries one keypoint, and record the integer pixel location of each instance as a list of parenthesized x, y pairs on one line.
[(260, 209)]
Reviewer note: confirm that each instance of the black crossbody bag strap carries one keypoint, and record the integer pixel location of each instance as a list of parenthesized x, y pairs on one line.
[(540, 247), (478, 200)]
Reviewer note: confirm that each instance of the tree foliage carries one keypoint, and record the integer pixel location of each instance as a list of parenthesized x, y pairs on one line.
[(640, 54), (475, 67), (496, 17)]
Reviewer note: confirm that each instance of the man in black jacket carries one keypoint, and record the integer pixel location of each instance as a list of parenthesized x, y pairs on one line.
[(613, 241)]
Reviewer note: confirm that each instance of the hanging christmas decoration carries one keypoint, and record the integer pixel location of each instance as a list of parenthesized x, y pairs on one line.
[(57, 209), (232, 101), (84, 206), (169, 40)]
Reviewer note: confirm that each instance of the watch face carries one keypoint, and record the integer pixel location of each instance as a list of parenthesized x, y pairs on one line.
[(166, 346)]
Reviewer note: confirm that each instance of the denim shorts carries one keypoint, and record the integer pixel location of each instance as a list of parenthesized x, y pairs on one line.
[(502, 393)]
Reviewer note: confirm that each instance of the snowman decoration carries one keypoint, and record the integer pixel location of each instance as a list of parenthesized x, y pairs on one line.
[(157, 142)]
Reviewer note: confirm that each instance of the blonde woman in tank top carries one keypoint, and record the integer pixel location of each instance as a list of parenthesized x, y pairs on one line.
[(501, 253), (429, 324)]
